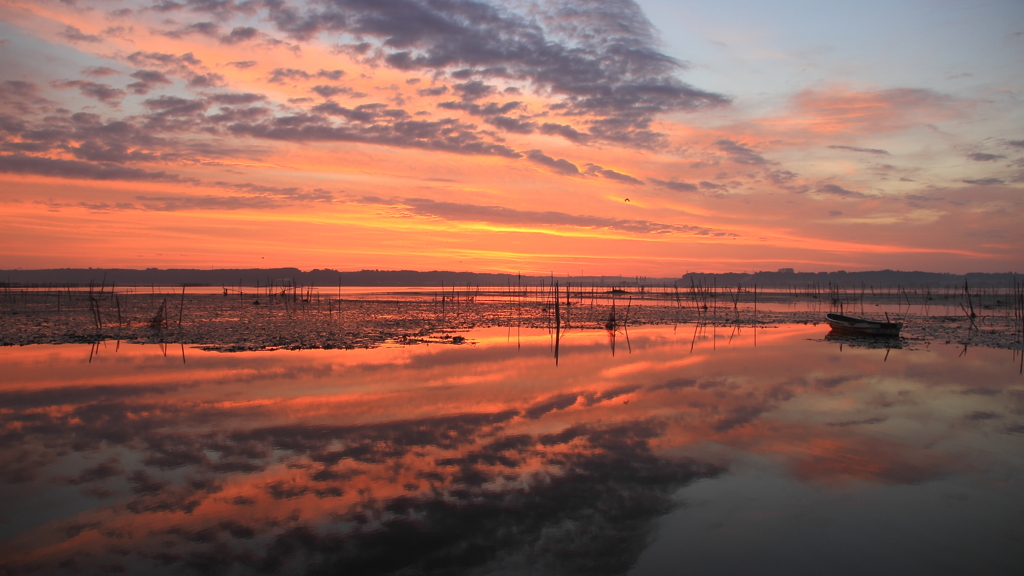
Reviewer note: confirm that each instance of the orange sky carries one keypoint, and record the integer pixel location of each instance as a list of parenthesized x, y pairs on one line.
[(404, 135)]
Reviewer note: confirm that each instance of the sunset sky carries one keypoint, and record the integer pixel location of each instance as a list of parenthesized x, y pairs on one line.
[(567, 137)]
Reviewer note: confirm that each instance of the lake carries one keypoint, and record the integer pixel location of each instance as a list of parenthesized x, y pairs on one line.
[(662, 451)]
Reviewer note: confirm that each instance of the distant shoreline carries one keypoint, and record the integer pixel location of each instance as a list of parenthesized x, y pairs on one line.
[(250, 277)]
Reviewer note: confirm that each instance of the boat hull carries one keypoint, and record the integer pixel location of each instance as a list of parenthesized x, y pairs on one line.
[(860, 327)]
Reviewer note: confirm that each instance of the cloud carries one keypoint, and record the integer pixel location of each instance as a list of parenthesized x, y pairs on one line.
[(232, 115), (512, 217), (364, 113), (841, 110), (674, 185), (22, 95), (979, 415), (143, 483), (509, 124), (98, 71), (597, 59), (21, 164), (372, 124), (565, 131), (495, 114), (246, 196), (490, 109), (291, 194), (836, 190), (146, 80), (740, 153), (242, 65), (208, 29), (845, 423), (143, 59), (560, 166), (103, 92), (983, 157), (236, 98), (599, 68), (170, 116), (782, 178), (75, 35), (175, 106), (436, 91), (984, 181), (149, 137), (182, 202), (475, 90), (106, 469), (209, 80), (328, 91), (151, 76), (856, 149), (280, 75), (239, 34), (593, 169)]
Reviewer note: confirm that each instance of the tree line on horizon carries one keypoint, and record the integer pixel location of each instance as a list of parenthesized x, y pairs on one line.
[(782, 278)]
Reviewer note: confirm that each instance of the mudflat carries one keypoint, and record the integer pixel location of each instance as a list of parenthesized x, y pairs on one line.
[(268, 321)]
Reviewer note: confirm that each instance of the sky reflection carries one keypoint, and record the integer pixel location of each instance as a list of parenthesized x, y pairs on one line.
[(487, 456)]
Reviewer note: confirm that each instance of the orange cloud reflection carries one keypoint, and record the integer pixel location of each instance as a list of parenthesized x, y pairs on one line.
[(168, 458)]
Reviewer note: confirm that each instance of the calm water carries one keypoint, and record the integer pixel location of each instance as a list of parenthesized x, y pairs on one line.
[(675, 454)]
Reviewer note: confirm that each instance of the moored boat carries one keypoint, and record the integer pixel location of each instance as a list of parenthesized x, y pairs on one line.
[(861, 327)]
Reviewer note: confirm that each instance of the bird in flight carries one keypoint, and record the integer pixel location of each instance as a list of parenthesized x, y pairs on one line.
[(627, 199)]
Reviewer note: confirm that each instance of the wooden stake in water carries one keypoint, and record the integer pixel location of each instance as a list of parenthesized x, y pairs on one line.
[(558, 323)]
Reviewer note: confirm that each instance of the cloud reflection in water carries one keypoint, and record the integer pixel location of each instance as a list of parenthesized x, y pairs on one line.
[(433, 459)]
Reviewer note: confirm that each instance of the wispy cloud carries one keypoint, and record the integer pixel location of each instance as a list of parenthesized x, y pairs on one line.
[(75, 35), (858, 149), (675, 185), (500, 215), (985, 181), (740, 153), (103, 92), (561, 166), (836, 190), (839, 109), (99, 71), (280, 75), (595, 170), (21, 164), (984, 157)]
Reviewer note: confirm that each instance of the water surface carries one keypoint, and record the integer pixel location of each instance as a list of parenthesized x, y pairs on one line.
[(671, 450)]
